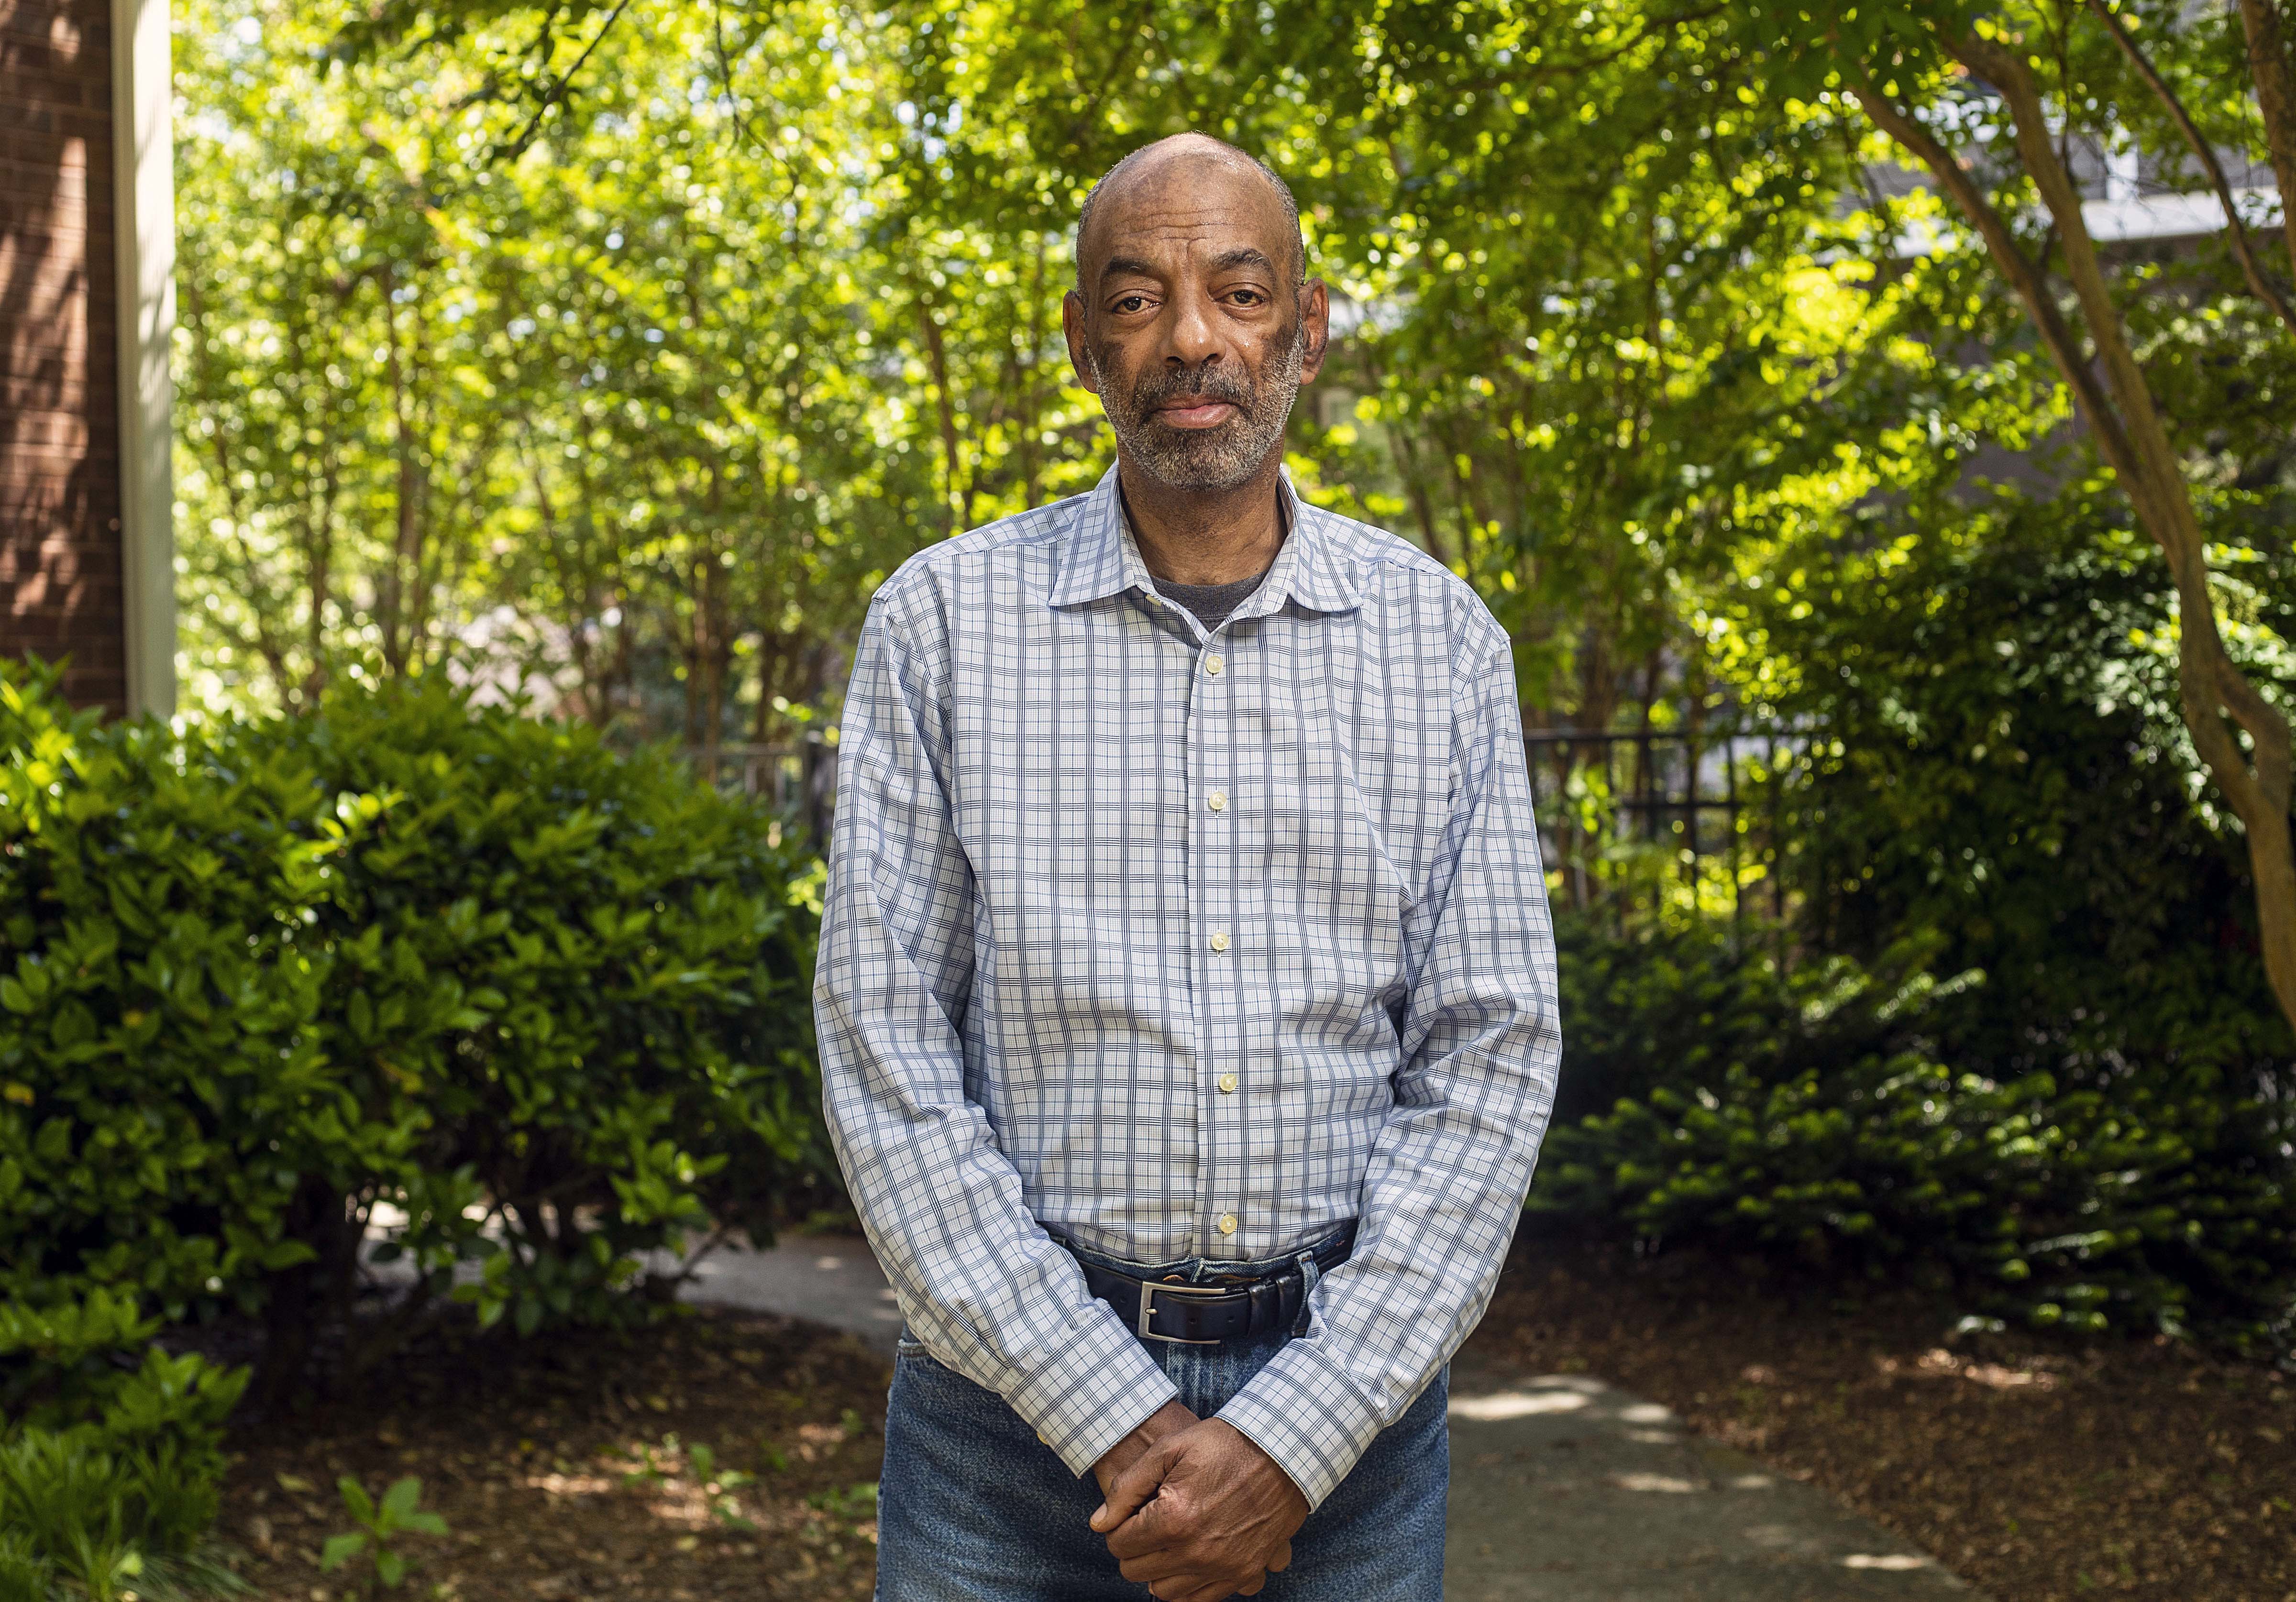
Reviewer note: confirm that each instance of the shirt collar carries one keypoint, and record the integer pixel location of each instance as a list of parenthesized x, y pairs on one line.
[(1099, 558)]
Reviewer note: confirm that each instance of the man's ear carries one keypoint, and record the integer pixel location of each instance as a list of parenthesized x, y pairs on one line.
[(1315, 327), (1072, 314)]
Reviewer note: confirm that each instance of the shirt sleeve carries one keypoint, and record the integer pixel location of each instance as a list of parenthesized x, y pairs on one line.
[(979, 1281), (1481, 1042)]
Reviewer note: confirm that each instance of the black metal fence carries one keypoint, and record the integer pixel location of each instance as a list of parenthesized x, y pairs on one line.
[(1697, 797), (799, 780)]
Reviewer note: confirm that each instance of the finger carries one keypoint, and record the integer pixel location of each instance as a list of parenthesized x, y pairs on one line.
[(1186, 1589), (1158, 1527), (1217, 1590), (1164, 1569), (1134, 1487), (1283, 1558), (1190, 1587), (1255, 1587)]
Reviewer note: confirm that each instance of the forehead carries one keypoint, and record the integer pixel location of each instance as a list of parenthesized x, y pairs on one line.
[(1187, 206)]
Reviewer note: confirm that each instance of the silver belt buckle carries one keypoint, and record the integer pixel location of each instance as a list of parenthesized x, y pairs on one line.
[(1148, 1289)]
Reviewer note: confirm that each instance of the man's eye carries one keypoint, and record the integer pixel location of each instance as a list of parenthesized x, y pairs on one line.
[(1249, 298), (1131, 303)]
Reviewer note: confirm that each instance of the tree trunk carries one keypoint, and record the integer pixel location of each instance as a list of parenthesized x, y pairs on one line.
[(959, 503), (406, 546), (2131, 435), (308, 1297)]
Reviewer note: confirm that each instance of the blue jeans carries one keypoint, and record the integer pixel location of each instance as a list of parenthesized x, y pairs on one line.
[(972, 1508)]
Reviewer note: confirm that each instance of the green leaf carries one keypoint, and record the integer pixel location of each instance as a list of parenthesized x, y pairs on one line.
[(360, 1504), (340, 1549), (401, 1499)]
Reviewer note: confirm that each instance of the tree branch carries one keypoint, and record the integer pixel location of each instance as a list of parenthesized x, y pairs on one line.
[(2205, 154), (528, 135), (2153, 476), (2023, 273), (2272, 64), (2211, 684)]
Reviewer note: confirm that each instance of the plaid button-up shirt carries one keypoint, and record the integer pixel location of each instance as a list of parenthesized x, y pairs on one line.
[(1186, 944)]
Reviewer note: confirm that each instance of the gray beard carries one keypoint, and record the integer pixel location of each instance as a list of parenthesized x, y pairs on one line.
[(1210, 460)]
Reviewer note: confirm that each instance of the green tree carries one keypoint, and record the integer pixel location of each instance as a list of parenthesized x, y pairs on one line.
[(325, 399), (2003, 109), (610, 415)]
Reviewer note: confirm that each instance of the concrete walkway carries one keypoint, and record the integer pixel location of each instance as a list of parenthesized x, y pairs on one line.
[(1562, 1488), (830, 1280)]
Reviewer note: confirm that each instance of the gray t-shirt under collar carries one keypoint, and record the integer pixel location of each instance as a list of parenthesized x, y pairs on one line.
[(1213, 604), (1210, 603)]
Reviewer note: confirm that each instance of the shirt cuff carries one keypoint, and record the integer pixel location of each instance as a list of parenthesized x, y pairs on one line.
[(1305, 1412), (1100, 1387)]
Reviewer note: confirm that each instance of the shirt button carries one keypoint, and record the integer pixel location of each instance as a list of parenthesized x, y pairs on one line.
[(1218, 801), (1213, 664), (1227, 1223), (1228, 1084), (1219, 941)]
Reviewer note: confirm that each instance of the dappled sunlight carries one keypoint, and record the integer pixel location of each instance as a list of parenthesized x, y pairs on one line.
[(567, 1484), (1668, 1484), (751, 1476), (1515, 1404), (1938, 1363)]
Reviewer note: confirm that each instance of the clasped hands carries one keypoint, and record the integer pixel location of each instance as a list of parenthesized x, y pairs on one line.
[(1193, 1510)]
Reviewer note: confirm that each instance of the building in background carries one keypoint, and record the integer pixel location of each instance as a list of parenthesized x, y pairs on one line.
[(87, 310)]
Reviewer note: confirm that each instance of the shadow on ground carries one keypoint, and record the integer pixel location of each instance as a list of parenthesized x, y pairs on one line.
[(1563, 1489)]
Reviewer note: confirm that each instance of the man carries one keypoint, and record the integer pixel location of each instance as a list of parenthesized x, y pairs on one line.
[(1187, 988)]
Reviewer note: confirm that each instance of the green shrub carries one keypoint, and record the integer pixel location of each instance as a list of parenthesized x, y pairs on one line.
[(2095, 1135), (1823, 1129), (114, 1476), (570, 995), (540, 1008), (2005, 764), (1671, 1004)]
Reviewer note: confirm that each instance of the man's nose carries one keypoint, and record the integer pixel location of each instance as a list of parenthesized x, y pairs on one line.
[(1195, 336)]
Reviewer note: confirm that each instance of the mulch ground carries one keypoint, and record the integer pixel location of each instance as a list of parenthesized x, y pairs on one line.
[(565, 1468), (2037, 1470)]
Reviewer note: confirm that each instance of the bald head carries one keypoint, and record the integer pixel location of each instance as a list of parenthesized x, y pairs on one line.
[(1192, 318), (1183, 160)]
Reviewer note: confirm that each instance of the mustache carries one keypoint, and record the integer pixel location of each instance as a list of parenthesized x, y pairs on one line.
[(1205, 383)]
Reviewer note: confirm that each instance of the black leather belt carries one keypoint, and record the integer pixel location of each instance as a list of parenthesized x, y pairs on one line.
[(1205, 1314)]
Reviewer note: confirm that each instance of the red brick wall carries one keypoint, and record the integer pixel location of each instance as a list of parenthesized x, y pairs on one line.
[(60, 590)]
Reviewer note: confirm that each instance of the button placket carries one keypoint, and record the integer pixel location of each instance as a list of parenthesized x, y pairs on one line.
[(1217, 802), (1204, 917), (1214, 830)]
